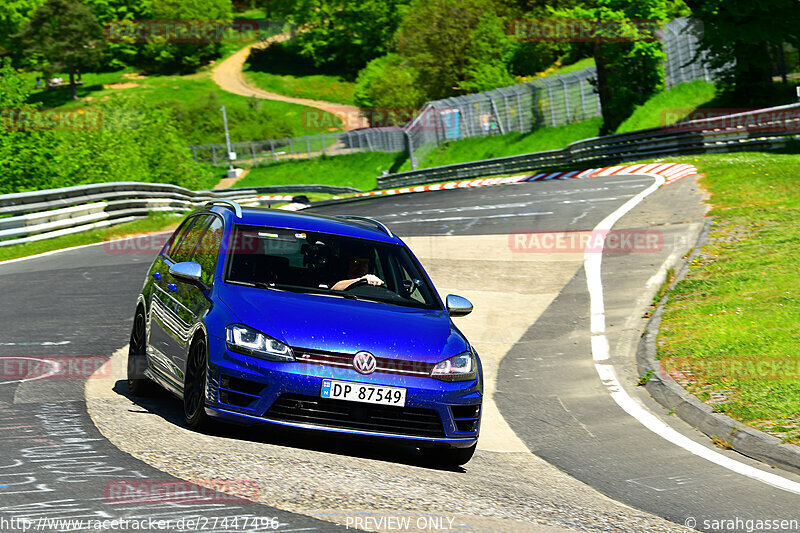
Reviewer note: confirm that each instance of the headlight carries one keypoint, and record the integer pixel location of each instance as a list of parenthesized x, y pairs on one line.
[(462, 367), (248, 341)]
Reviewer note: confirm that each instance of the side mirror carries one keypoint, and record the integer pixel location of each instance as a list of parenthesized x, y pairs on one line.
[(188, 272), (458, 306)]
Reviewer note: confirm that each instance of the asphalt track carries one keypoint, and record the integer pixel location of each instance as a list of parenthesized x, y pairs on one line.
[(55, 463)]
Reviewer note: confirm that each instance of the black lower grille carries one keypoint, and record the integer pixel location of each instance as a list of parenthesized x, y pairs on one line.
[(411, 421)]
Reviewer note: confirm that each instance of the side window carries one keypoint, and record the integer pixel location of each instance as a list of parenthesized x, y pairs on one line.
[(207, 251), (176, 237), (189, 241)]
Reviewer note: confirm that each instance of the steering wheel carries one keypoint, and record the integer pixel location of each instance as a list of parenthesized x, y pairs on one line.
[(357, 283)]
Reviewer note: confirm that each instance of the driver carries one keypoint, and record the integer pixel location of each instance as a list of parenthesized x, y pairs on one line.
[(357, 268)]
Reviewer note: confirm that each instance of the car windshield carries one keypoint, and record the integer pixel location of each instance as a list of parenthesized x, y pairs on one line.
[(321, 263)]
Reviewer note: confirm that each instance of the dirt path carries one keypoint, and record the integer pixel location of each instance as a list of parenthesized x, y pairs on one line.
[(229, 76)]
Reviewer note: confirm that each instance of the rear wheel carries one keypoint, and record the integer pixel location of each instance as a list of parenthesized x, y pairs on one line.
[(194, 385), (138, 383), (448, 457)]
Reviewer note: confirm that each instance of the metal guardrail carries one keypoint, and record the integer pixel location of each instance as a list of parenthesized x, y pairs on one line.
[(39, 215), (762, 129)]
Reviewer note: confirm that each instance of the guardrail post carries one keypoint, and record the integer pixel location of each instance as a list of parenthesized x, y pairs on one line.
[(194, 153), (253, 151), (272, 149), (213, 154), (552, 105), (322, 138), (535, 118), (519, 112), (583, 99), (410, 145)]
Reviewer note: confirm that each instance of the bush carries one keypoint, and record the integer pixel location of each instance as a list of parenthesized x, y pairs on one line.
[(389, 83), (25, 160), (133, 141), (136, 142)]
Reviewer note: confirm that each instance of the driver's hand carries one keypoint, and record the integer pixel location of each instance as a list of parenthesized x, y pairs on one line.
[(372, 279)]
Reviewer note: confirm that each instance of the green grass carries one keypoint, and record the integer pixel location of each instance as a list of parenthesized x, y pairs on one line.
[(740, 304), (196, 100), (316, 87), (478, 148), (155, 222), (353, 170), (280, 69), (669, 106), (578, 65)]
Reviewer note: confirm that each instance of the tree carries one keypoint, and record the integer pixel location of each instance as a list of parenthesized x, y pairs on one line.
[(13, 15), (66, 36), (741, 38), (627, 55), (347, 33), (162, 54), (120, 51), (457, 46), (389, 87)]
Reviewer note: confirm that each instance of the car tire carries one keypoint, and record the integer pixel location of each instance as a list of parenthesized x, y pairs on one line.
[(448, 457), (138, 383), (194, 385)]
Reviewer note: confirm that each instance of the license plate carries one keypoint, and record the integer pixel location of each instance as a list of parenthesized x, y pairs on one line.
[(362, 392)]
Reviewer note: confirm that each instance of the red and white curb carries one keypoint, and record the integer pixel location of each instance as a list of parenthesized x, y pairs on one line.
[(670, 171)]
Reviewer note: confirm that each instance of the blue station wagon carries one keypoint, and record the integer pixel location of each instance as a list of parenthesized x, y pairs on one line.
[(262, 316)]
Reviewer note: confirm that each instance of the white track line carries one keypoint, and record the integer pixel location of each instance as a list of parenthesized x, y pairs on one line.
[(592, 263), (55, 367)]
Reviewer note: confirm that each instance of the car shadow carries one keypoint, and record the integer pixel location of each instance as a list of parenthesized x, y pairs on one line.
[(170, 409)]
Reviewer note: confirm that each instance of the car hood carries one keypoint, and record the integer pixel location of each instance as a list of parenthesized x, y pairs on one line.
[(341, 325)]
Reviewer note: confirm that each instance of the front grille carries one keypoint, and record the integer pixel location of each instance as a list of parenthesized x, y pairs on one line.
[(411, 421), (383, 364)]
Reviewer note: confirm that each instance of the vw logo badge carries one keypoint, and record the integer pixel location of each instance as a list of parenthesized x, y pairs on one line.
[(364, 363)]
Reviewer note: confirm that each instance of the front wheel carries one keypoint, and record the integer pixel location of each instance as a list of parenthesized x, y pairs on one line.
[(448, 457), (194, 385), (138, 383)]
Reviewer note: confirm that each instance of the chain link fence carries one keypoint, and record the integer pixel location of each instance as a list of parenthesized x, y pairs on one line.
[(550, 101), (681, 44)]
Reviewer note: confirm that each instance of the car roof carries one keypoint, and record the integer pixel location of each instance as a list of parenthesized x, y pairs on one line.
[(276, 218)]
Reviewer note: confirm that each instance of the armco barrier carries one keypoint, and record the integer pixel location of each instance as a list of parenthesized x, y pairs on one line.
[(762, 129), (38, 215)]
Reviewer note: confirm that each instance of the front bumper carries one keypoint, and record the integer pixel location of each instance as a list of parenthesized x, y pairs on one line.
[(247, 390)]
